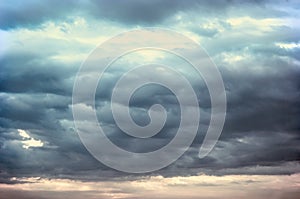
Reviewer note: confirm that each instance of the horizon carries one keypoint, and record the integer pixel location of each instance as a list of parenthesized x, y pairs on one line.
[(53, 56)]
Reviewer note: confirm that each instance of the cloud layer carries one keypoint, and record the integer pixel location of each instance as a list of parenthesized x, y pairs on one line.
[(254, 44)]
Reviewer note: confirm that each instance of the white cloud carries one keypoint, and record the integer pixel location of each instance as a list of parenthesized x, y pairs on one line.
[(29, 141), (288, 45), (23, 133)]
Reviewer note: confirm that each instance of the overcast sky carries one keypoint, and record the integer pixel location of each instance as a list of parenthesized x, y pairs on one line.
[(255, 45)]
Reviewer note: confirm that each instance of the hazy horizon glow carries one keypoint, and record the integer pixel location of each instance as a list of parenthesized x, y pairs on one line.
[(200, 186), (256, 47)]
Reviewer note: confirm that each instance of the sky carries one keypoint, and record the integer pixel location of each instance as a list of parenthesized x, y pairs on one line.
[(255, 46)]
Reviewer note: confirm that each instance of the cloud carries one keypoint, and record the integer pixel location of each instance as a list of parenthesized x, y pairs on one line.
[(200, 186), (15, 14), (29, 142), (258, 57), (49, 76)]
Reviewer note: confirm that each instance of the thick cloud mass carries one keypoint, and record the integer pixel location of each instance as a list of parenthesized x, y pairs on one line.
[(134, 12), (255, 44)]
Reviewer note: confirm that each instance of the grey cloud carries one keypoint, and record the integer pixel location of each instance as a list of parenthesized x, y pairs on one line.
[(247, 41), (17, 13), (260, 100), (31, 14), (255, 111), (207, 32), (32, 73)]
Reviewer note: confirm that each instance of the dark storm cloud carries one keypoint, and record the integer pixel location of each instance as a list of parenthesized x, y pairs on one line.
[(261, 127), (22, 72), (152, 12), (35, 96), (16, 14), (261, 101), (31, 13)]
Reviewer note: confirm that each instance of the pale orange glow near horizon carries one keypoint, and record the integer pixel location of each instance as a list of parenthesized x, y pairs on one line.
[(201, 186)]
